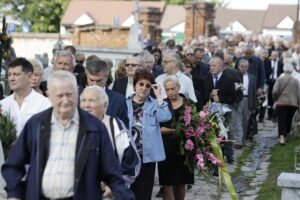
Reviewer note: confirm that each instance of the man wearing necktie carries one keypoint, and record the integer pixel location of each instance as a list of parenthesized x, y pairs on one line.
[(219, 87), (271, 75)]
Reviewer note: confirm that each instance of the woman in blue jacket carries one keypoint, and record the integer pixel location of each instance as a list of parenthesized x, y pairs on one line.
[(145, 113)]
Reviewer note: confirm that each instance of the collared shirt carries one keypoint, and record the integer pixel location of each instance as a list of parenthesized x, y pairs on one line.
[(186, 85), (216, 80), (32, 104), (58, 177), (274, 65), (129, 89), (245, 84)]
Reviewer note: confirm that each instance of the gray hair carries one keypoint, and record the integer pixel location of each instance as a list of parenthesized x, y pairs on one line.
[(244, 61), (65, 53), (61, 75), (103, 98), (96, 66), (218, 59), (176, 57), (139, 58), (288, 67), (36, 64), (171, 78), (148, 56), (228, 56)]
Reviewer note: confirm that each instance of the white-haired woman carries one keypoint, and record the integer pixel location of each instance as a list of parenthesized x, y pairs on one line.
[(286, 94), (173, 186), (95, 101)]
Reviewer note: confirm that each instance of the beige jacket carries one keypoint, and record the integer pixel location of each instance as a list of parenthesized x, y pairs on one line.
[(289, 95)]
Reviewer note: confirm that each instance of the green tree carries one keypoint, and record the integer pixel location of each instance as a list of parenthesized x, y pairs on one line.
[(43, 15), (219, 3)]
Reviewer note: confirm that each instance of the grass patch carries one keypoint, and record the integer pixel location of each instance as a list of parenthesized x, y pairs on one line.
[(282, 160), (240, 160)]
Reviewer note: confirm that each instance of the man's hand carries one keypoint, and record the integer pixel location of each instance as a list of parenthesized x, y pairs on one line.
[(107, 193), (216, 98), (259, 91), (213, 93)]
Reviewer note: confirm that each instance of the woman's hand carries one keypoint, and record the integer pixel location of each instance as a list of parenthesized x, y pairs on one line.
[(157, 92)]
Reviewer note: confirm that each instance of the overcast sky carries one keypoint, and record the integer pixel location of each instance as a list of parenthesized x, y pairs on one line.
[(256, 4)]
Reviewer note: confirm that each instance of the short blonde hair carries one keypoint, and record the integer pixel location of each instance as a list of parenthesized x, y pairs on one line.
[(36, 64)]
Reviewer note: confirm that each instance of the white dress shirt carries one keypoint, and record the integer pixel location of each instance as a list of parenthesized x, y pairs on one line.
[(245, 84), (32, 104), (274, 65), (186, 85), (59, 175)]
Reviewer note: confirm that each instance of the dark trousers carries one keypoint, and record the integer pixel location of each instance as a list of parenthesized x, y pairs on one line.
[(285, 116), (271, 111), (143, 185)]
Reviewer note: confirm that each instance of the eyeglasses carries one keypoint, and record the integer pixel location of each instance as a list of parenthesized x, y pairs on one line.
[(131, 64), (141, 84), (80, 61), (167, 61), (189, 54)]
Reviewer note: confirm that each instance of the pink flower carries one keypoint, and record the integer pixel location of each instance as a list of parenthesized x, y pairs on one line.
[(200, 130), (203, 114), (220, 139), (187, 115), (205, 108), (200, 139), (189, 145), (200, 161), (214, 160)]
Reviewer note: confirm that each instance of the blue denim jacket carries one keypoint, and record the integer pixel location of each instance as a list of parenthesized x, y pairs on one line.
[(154, 113)]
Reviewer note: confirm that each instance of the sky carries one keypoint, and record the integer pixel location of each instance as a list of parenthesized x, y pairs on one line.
[(256, 4)]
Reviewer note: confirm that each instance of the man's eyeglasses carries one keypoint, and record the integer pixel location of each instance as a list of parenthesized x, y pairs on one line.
[(189, 54), (131, 64), (141, 84), (80, 61)]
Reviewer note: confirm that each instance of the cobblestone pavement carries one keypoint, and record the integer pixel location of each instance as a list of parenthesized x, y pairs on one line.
[(254, 171)]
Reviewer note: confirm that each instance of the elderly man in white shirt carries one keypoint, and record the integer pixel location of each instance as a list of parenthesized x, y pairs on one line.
[(25, 101), (171, 63)]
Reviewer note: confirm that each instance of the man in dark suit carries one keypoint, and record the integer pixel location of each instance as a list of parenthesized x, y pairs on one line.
[(246, 106), (256, 68), (200, 71), (97, 74), (273, 71), (68, 150), (124, 85), (219, 87)]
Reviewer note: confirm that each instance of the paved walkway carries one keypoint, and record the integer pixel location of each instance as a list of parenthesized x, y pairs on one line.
[(254, 171)]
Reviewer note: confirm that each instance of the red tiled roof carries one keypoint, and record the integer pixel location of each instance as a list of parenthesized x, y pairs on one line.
[(104, 11)]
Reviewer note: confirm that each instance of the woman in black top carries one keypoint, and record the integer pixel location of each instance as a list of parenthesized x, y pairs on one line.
[(173, 174)]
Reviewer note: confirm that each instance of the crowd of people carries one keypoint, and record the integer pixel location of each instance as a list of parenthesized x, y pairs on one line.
[(89, 130)]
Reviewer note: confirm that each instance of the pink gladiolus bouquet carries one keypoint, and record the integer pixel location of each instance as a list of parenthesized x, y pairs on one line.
[(196, 131)]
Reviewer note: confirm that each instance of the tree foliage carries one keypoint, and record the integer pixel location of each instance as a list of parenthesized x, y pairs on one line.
[(218, 3), (43, 15)]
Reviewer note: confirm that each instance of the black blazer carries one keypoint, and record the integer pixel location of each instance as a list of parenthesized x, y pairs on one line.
[(225, 85), (117, 106), (252, 92), (120, 85), (269, 71)]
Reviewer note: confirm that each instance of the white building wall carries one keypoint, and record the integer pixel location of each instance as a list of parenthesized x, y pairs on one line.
[(28, 45)]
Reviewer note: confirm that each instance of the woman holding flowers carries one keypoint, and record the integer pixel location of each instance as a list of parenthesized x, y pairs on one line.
[(173, 174), (145, 113)]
